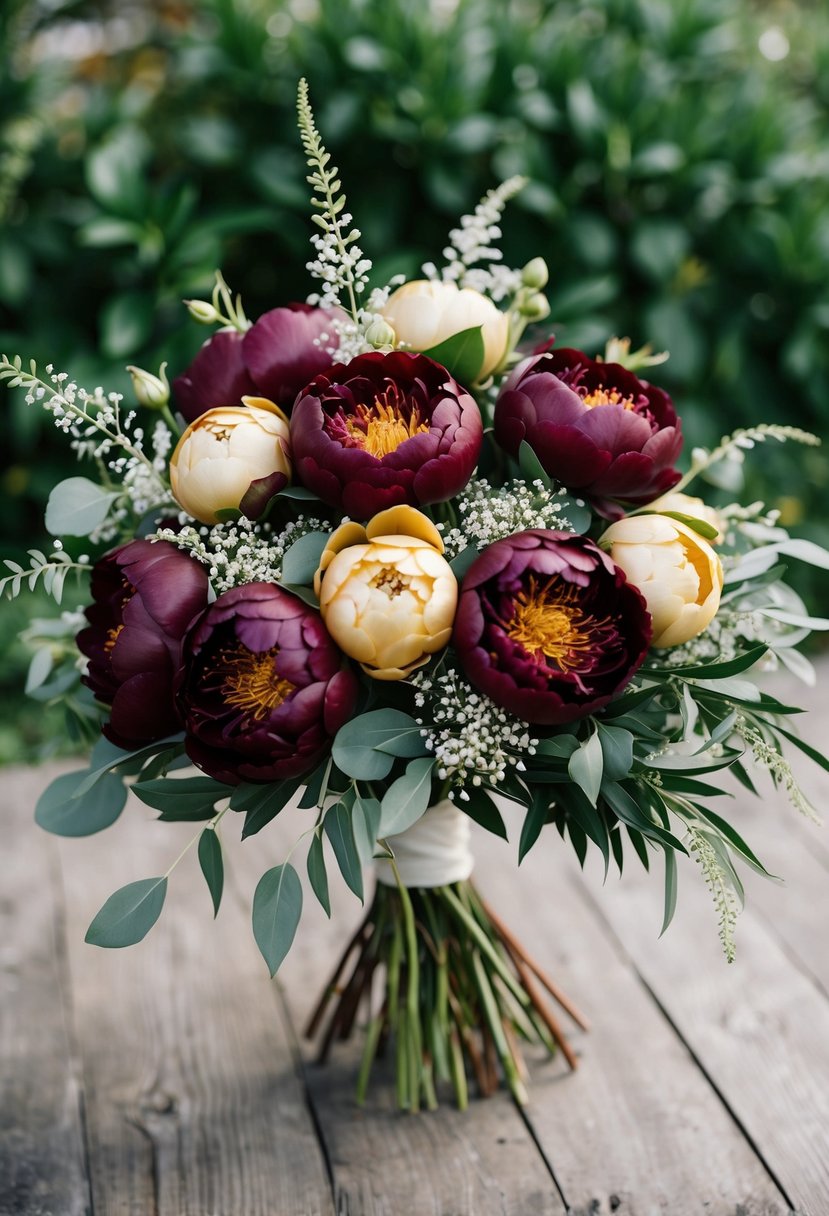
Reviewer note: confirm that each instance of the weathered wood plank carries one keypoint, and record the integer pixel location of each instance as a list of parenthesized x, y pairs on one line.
[(42, 1166), (637, 1130), (759, 1029), (192, 1096), (482, 1162)]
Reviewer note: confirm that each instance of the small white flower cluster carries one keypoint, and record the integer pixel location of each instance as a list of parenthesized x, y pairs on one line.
[(470, 736), (369, 332), (488, 515), (340, 264), (240, 552), (768, 757), (718, 882), (473, 243)]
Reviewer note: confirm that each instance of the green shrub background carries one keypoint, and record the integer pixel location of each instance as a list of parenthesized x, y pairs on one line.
[(679, 192)]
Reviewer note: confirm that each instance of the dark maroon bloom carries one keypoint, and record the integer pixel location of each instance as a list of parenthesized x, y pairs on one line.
[(286, 348), (264, 688), (146, 595), (595, 427), (217, 376), (383, 430), (548, 627)]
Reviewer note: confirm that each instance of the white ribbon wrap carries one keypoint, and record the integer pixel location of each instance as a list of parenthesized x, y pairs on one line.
[(433, 852)]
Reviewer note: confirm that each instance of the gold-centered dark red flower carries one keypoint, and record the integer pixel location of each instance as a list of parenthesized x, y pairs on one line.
[(385, 430), (264, 689), (548, 627), (595, 427)]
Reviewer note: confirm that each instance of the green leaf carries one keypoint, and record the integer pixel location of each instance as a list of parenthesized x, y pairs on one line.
[(212, 866), (626, 808), (586, 766), (306, 594), (77, 507), (407, 798), (534, 821), (340, 831), (126, 322), (670, 889), (317, 873), (263, 803), (630, 700), (806, 748), (735, 840), (617, 750), (365, 824), (463, 561), (277, 907), (576, 512), (315, 787), (531, 467), (129, 914), (693, 763), (559, 746), (300, 563), (709, 671), (462, 355), (483, 810), (60, 811), (186, 799), (356, 749), (706, 530)]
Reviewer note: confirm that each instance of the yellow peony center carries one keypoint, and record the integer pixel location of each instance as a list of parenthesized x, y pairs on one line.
[(251, 682), (546, 621), (381, 428), (112, 637), (390, 581), (608, 396)]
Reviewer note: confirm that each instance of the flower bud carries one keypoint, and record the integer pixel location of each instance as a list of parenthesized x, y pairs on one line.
[(151, 391), (678, 573), (427, 312), (380, 334), (233, 458), (203, 312), (535, 274), (535, 308), (387, 595)]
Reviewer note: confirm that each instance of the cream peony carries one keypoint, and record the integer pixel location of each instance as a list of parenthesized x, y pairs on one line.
[(387, 595), (678, 573), (225, 451), (426, 312)]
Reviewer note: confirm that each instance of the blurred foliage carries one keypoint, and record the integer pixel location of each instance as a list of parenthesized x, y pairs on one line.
[(677, 153)]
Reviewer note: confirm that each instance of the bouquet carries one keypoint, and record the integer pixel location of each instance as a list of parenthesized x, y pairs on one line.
[(382, 554)]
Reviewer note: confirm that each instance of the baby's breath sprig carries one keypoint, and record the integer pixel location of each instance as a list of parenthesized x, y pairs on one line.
[(339, 264), (732, 447), (473, 242)]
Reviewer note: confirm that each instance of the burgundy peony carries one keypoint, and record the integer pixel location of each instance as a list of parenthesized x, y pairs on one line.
[(217, 376), (264, 688), (146, 594), (286, 348), (279, 355), (384, 430), (595, 427), (548, 627)]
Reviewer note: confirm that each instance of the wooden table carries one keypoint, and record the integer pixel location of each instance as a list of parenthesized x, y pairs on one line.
[(171, 1079)]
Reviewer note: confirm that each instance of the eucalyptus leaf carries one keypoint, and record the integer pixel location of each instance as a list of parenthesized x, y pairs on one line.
[(212, 866), (617, 750), (531, 467), (77, 506), (463, 561), (586, 766), (188, 798), (60, 811), (300, 563), (356, 746), (340, 831), (317, 874), (670, 889), (534, 821), (129, 914), (407, 798), (277, 908), (366, 824)]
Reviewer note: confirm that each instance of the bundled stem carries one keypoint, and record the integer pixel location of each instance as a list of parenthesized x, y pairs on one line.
[(459, 996)]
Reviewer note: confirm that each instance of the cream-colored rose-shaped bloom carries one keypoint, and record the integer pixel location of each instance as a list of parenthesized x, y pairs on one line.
[(687, 504), (387, 595), (223, 452), (426, 312), (678, 573)]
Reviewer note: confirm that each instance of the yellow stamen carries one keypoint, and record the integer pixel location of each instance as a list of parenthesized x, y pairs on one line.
[(608, 396), (381, 428), (547, 621), (389, 580), (112, 637), (251, 681)]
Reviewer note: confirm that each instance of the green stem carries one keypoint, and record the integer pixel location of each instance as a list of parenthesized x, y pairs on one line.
[(214, 823)]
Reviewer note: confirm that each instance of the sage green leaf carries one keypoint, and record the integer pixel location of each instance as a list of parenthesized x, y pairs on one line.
[(277, 907), (300, 563), (617, 750), (670, 889), (263, 803), (60, 811), (212, 866), (700, 526), (77, 507), (190, 798), (531, 467), (340, 831), (534, 821), (317, 873), (407, 798), (366, 824), (560, 746), (480, 807), (356, 749), (462, 355), (129, 914), (586, 766), (463, 561)]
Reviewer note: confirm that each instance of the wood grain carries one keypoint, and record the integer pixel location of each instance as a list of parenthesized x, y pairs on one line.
[(42, 1165), (192, 1097), (637, 1130)]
